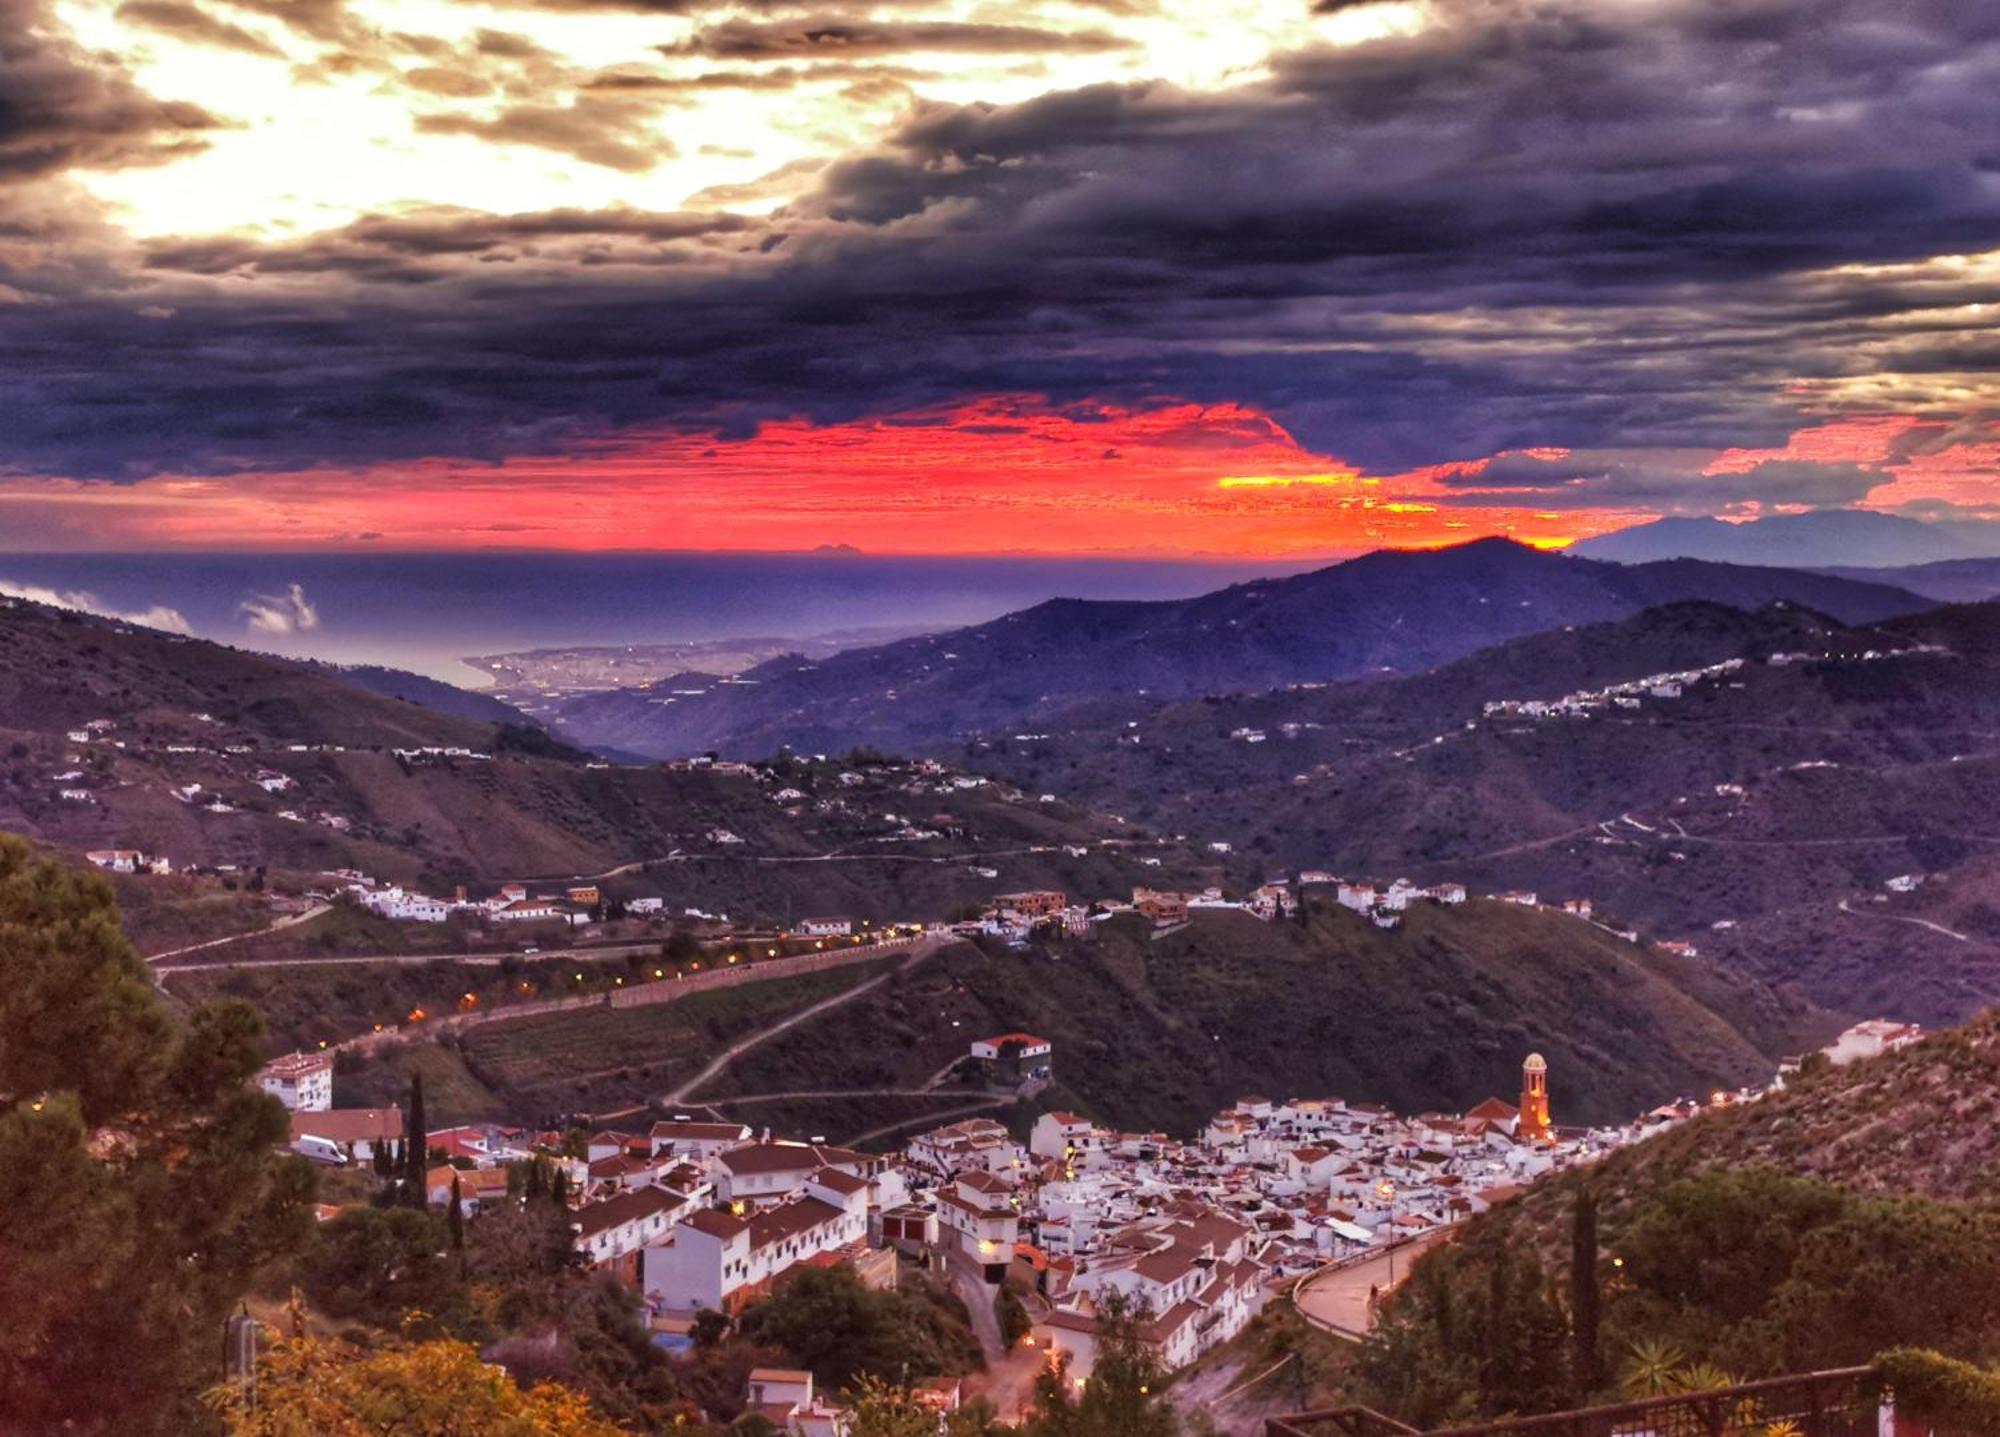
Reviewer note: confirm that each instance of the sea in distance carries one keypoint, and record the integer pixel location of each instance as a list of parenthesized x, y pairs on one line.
[(427, 612)]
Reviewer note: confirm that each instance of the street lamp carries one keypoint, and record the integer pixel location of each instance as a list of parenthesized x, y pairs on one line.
[(1386, 1191)]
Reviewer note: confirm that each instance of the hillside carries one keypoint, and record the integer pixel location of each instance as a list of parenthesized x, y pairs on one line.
[(1916, 1122), (433, 694), (217, 758), (1920, 1120), (1390, 611), (1160, 1031), (1762, 799)]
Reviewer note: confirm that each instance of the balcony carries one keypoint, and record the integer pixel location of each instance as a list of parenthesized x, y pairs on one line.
[(1843, 1403)]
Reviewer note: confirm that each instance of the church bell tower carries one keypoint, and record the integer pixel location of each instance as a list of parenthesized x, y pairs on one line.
[(1534, 1121)]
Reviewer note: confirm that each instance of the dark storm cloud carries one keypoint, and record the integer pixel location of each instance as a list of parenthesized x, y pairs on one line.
[(1587, 480), (62, 107), (740, 39), (418, 248), (190, 22), (1537, 224)]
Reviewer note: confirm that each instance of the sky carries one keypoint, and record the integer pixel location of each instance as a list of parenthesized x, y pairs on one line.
[(1239, 278)]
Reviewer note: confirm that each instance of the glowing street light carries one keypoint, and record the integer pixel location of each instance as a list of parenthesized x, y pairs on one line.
[(1386, 1191)]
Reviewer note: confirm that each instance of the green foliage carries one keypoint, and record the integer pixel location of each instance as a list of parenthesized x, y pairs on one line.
[(140, 1176), (828, 1321), (439, 1388), (1015, 1323), (1955, 1396), (1478, 1331), (374, 1264), (1122, 1397), (709, 1327), (1730, 1276), (1719, 1245), (880, 1409)]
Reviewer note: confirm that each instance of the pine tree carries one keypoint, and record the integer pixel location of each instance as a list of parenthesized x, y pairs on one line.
[(157, 1232), (1584, 1296)]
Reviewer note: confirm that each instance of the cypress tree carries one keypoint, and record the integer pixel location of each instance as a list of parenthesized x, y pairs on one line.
[(416, 1151), (456, 1218), (1585, 1300)]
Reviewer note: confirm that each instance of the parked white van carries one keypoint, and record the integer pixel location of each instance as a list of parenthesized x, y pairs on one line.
[(320, 1150)]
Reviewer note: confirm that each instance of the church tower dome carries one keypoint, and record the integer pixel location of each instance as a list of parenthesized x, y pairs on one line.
[(1534, 1121)]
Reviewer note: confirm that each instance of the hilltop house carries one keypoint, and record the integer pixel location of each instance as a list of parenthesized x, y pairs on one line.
[(303, 1082), (529, 910), (117, 860), (1016, 1057), (1032, 905)]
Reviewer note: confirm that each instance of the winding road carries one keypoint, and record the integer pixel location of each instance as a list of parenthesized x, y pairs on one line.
[(289, 921), (1905, 918), (923, 949)]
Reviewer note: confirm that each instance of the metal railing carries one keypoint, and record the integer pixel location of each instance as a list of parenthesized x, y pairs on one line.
[(1845, 1402), (1337, 1422)]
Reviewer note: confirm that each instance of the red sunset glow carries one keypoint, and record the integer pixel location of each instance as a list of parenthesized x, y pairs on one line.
[(1000, 474)]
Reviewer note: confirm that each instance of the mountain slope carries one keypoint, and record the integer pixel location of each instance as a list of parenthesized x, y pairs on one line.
[(1159, 1031), (1818, 539), (1775, 800), (433, 694), (1386, 611), (211, 756)]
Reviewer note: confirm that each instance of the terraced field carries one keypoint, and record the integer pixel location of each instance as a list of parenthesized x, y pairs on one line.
[(605, 1055)]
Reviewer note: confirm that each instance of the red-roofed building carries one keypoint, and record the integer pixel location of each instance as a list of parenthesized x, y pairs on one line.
[(303, 1082), (724, 1260)]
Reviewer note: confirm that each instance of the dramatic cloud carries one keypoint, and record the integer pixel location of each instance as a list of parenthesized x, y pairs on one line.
[(287, 613), (826, 35), (187, 21), (62, 107), (1646, 236), (1669, 482), (157, 617), (615, 133)]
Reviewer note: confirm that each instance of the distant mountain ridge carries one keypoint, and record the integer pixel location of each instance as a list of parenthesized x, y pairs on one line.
[(1389, 611), (1949, 581), (1819, 539)]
